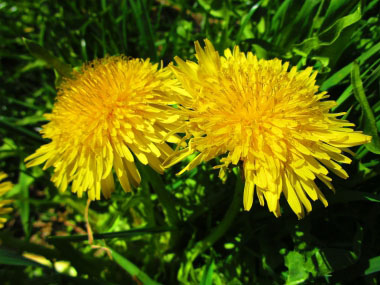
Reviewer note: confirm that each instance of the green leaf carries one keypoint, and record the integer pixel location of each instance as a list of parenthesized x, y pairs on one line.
[(369, 121), (39, 52), (207, 274), (297, 272), (132, 269), (9, 257), (336, 10), (216, 8), (184, 28), (9, 148), (374, 265)]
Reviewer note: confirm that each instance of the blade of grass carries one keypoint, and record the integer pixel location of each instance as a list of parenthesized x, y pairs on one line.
[(280, 15), (83, 49), (338, 76), (330, 35), (102, 26), (245, 19), (21, 103), (336, 10), (5, 122), (351, 196), (369, 79), (9, 241), (22, 187), (9, 257), (299, 23), (122, 234), (145, 28), (369, 122), (132, 269), (124, 25), (207, 274), (38, 51)]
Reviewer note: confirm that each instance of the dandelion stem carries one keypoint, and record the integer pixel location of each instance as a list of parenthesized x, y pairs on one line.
[(88, 226), (217, 232)]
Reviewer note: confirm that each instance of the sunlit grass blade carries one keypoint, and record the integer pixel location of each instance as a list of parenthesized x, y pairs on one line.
[(132, 269), (207, 273), (368, 119), (9, 257)]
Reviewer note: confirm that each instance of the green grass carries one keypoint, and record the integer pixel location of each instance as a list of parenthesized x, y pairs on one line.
[(179, 229)]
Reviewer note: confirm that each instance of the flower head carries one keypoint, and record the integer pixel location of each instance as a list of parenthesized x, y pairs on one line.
[(4, 188), (113, 110), (271, 120)]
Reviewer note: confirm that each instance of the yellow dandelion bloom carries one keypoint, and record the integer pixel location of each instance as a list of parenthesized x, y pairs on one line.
[(270, 119), (4, 188), (113, 110)]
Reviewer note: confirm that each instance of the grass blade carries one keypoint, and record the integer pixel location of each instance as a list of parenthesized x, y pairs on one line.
[(245, 20), (132, 269), (37, 51), (23, 131), (9, 257), (341, 74), (22, 187), (144, 26), (368, 119), (122, 234), (207, 274), (330, 35)]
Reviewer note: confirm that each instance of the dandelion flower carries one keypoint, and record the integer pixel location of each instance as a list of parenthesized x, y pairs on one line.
[(110, 113), (267, 118), (4, 188)]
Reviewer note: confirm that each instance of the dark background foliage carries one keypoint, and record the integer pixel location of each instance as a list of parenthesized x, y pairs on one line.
[(187, 229)]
